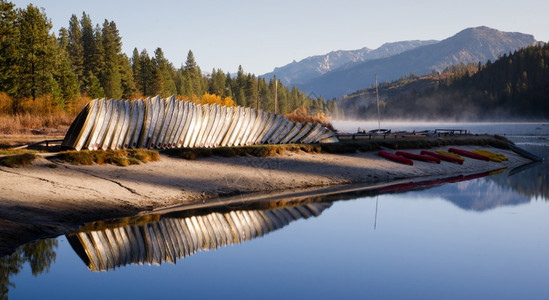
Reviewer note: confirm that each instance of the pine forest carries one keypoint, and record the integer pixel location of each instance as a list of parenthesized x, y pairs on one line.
[(49, 77)]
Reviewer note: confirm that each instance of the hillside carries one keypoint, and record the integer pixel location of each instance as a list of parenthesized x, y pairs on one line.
[(297, 73), (471, 45), (514, 86)]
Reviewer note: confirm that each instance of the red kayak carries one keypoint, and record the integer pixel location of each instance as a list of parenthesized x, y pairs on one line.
[(468, 154), (418, 157), (395, 157), (443, 157)]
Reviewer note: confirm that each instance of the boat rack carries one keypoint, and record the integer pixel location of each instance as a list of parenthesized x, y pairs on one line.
[(369, 136), (451, 131), (48, 143)]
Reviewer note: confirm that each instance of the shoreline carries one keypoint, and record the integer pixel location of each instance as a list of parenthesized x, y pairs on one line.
[(170, 181), (50, 198)]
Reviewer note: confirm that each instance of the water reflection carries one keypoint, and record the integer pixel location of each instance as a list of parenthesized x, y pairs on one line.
[(166, 238), (154, 239), (39, 255), (179, 233)]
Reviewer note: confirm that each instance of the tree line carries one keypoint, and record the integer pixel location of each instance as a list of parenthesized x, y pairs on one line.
[(86, 61), (514, 86)]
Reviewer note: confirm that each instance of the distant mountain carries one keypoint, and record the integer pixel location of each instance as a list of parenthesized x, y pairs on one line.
[(470, 45), (297, 73), (512, 87), (479, 194)]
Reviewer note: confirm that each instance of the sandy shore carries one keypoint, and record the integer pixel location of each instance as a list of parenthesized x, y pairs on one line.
[(171, 181), (49, 197)]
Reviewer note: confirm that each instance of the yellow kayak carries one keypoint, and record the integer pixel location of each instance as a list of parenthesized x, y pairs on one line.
[(448, 154), (493, 156)]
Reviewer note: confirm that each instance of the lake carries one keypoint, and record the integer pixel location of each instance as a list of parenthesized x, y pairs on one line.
[(485, 238)]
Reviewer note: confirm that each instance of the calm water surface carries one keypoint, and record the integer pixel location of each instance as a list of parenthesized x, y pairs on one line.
[(480, 239)]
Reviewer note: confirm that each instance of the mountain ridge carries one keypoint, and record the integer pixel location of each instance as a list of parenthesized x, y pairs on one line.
[(300, 72), (471, 45)]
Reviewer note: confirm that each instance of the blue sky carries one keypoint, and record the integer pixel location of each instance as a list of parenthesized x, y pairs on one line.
[(261, 35)]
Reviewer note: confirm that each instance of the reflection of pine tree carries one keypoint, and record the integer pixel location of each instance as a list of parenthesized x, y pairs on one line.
[(40, 255)]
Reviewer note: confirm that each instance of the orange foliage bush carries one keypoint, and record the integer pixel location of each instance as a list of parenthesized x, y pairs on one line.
[(300, 115), (6, 104), (211, 99)]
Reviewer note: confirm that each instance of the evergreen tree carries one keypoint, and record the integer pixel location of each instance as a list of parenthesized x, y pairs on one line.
[(126, 77), (75, 48), (110, 75), (265, 96), (187, 85), (194, 74), (143, 79), (136, 69), (111, 81), (87, 44), (63, 39), (9, 40), (252, 92), (66, 81), (165, 72), (37, 51), (97, 59), (94, 89), (156, 84)]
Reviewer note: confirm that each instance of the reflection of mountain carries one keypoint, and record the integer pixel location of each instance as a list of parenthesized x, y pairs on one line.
[(480, 194), (483, 194), (169, 237)]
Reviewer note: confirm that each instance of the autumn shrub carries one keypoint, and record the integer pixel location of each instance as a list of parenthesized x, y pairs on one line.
[(6, 104), (210, 99), (301, 115)]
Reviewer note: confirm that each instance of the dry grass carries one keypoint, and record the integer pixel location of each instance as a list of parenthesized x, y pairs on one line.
[(24, 116), (26, 123), (114, 157)]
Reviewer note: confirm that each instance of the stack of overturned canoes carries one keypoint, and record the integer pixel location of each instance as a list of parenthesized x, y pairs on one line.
[(171, 238), (171, 123)]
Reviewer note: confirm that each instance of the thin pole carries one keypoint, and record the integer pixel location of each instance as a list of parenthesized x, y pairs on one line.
[(378, 113), (257, 99), (276, 95)]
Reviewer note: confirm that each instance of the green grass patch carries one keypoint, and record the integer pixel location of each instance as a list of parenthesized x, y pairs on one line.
[(114, 157), (18, 160)]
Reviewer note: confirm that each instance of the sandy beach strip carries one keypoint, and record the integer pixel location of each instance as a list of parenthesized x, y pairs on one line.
[(56, 187)]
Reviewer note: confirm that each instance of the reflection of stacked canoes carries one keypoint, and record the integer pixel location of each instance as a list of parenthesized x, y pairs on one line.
[(168, 123), (171, 238)]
